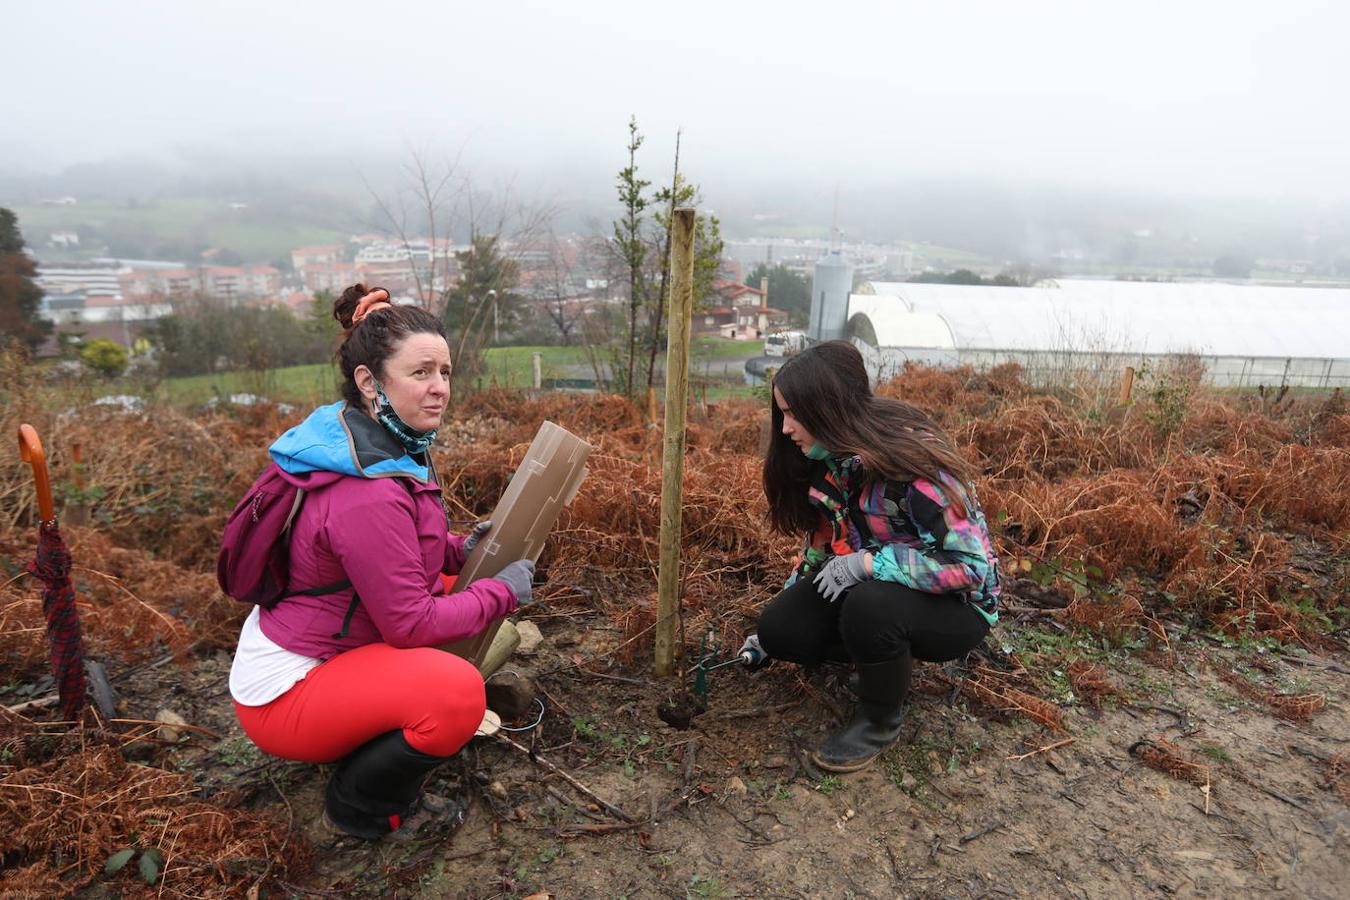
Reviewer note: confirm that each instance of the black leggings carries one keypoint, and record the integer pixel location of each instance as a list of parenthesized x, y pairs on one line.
[(873, 622)]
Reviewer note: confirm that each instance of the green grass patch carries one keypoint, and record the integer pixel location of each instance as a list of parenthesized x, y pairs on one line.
[(706, 346), (1216, 753), (514, 366), (180, 221), (312, 385)]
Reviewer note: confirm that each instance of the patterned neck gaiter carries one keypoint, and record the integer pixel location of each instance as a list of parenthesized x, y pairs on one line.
[(815, 451), (413, 441)]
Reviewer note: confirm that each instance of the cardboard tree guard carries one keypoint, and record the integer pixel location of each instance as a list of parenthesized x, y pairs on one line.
[(545, 481)]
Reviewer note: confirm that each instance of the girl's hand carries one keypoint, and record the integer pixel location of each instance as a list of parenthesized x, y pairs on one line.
[(843, 572)]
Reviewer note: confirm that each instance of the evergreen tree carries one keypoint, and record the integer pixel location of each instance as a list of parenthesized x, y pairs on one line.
[(20, 297), (788, 291), (632, 249), (477, 307), (642, 247)]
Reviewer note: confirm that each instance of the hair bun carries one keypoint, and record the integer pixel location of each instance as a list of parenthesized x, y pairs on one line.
[(344, 307)]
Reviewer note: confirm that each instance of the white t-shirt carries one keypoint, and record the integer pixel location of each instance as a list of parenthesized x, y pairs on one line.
[(263, 670)]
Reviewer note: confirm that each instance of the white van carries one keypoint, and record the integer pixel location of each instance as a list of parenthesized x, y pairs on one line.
[(784, 343)]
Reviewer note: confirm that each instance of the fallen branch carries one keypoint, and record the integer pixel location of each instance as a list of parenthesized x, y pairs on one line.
[(1037, 750), (158, 724), (753, 711), (20, 709), (550, 767), (581, 829), (690, 760), (581, 810), (1315, 662), (976, 835)]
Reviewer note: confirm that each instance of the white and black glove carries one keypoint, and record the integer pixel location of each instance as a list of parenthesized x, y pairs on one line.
[(473, 537), (519, 577), (752, 653), (840, 574)]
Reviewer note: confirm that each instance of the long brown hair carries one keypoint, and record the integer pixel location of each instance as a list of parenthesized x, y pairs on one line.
[(376, 337), (827, 390)]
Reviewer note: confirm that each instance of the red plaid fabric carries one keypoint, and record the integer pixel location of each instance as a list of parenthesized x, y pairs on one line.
[(52, 566)]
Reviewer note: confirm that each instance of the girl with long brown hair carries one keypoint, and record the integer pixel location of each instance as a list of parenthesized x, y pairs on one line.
[(897, 564)]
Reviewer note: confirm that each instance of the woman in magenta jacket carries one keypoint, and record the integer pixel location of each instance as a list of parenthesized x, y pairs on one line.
[(347, 668)]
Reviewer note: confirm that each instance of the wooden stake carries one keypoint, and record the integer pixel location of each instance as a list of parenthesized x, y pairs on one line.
[(672, 464), (1126, 386), (536, 365)]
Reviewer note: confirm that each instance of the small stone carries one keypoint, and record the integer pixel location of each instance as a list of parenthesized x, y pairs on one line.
[(736, 787), (497, 789), (170, 718), (776, 761), (511, 695), (530, 638), (848, 814), (980, 772), (908, 782)]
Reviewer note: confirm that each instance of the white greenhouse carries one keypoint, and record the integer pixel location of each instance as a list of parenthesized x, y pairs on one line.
[(1242, 335)]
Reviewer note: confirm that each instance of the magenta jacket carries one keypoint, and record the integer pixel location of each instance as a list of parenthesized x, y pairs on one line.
[(372, 515)]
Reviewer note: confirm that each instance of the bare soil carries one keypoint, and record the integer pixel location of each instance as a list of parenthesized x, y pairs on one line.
[(969, 805), (1162, 710)]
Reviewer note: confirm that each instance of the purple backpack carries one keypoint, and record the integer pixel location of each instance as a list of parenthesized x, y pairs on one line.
[(254, 561)]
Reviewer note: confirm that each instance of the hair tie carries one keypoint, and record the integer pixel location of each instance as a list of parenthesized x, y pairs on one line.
[(369, 303)]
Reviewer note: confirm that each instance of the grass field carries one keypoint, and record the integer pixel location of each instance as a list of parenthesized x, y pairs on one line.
[(184, 222), (506, 366)]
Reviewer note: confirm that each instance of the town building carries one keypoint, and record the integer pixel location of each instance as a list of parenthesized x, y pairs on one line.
[(309, 256), (92, 277), (740, 312), (225, 282)]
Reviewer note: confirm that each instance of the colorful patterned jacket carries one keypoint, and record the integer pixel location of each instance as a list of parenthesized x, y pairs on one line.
[(916, 537)]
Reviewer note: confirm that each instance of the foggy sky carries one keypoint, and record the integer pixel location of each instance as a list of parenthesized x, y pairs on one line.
[(1236, 98)]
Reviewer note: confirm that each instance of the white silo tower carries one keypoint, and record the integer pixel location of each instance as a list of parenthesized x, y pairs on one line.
[(831, 283)]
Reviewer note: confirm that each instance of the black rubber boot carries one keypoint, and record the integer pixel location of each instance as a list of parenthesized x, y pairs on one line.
[(882, 690), (377, 786)]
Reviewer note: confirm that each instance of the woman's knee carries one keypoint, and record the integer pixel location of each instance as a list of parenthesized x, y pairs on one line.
[(772, 630), (451, 700), (784, 635), (871, 622)]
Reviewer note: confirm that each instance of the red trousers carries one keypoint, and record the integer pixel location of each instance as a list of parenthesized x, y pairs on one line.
[(435, 697)]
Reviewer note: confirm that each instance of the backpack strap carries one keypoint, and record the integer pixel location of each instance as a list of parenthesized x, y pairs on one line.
[(347, 619), (329, 589), (337, 585), (323, 588)]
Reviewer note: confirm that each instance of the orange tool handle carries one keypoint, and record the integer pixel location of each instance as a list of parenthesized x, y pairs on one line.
[(30, 448)]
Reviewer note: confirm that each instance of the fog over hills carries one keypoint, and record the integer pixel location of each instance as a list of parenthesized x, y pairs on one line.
[(1033, 223), (1125, 132)]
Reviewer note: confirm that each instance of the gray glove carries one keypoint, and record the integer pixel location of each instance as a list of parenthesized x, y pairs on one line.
[(473, 537), (840, 574), (518, 576)]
